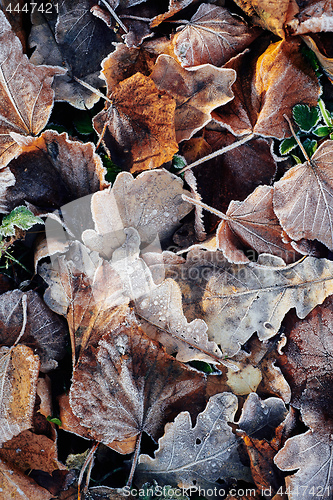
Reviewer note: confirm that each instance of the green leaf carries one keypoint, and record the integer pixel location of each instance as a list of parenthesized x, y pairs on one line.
[(297, 159), (54, 420), (112, 169), (287, 145), (83, 124), (305, 117), (202, 366), (178, 162), (310, 146), (20, 217), (322, 131), (325, 114)]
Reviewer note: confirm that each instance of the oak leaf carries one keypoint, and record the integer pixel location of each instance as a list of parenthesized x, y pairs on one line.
[(213, 35), (26, 96), (134, 384), (198, 455), (197, 92), (268, 85), (139, 124), (303, 198)]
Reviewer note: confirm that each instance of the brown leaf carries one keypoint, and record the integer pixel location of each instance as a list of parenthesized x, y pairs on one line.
[(19, 368), (268, 85), (252, 223), (213, 35), (140, 124), (45, 332), (51, 171), (270, 14), (325, 62), (303, 198), (135, 385), (315, 16), (26, 94), (174, 7), (14, 483), (197, 92)]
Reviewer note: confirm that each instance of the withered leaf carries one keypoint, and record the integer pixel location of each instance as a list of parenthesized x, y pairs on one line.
[(19, 368), (199, 455), (315, 16), (237, 300), (303, 198), (263, 90), (325, 62), (213, 35), (139, 124), (253, 223), (45, 332), (174, 7), (134, 384), (270, 14), (14, 483), (52, 170), (313, 456), (26, 96), (197, 92)]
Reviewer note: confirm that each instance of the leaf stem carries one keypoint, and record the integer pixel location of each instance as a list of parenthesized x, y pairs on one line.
[(92, 89), (135, 460), (219, 214), (114, 15), (218, 153), (88, 460), (297, 138)]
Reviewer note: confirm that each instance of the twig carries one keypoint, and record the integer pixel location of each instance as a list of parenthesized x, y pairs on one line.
[(113, 14), (135, 460), (92, 89), (297, 138), (218, 153), (219, 214), (87, 461)]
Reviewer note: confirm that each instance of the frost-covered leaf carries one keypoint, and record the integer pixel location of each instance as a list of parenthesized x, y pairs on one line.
[(14, 484), (305, 117), (315, 16), (198, 455), (303, 198), (197, 92), (26, 96), (325, 62), (21, 218), (213, 35)]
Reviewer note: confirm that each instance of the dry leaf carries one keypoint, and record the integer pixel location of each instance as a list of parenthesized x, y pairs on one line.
[(315, 16), (26, 95), (303, 198), (197, 92), (15, 485), (325, 62), (213, 35), (19, 368), (264, 92), (174, 7), (252, 223), (270, 14), (197, 456), (134, 384), (139, 124)]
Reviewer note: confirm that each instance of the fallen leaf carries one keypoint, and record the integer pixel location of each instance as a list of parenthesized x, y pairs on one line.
[(213, 35), (135, 385), (314, 17), (197, 92), (252, 223), (26, 95), (52, 170), (263, 94), (303, 198), (16, 485), (325, 62), (197, 456), (139, 124), (44, 331), (174, 7), (270, 14)]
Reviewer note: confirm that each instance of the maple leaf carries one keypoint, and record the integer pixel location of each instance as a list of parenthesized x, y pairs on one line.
[(139, 124), (26, 96), (213, 35), (303, 198), (198, 455), (197, 92), (267, 87)]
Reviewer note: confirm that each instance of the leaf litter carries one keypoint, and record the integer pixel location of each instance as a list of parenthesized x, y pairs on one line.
[(133, 346)]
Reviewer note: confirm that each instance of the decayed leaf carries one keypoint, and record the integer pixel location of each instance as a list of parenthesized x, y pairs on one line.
[(199, 455), (16, 485), (303, 198), (270, 14), (213, 35), (19, 368), (151, 203), (197, 92), (134, 384), (139, 124), (315, 16), (237, 300), (326, 62), (44, 331), (52, 170), (174, 7), (253, 223), (264, 92), (313, 456), (26, 96)]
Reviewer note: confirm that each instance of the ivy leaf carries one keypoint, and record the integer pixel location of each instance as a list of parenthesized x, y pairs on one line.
[(306, 117), (20, 217)]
